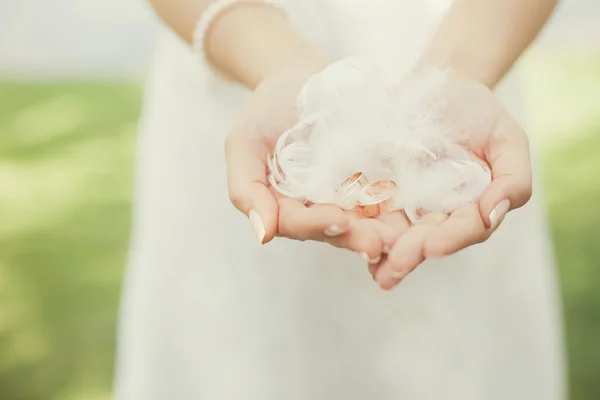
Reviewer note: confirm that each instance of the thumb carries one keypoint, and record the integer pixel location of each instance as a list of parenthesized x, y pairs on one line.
[(247, 182), (507, 153)]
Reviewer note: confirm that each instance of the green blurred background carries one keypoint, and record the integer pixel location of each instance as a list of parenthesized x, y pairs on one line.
[(66, 156)]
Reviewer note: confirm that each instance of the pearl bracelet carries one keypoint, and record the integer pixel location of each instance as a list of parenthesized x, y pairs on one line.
[(211, 13)]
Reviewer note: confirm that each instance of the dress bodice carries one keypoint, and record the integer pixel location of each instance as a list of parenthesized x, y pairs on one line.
[(393, 32)]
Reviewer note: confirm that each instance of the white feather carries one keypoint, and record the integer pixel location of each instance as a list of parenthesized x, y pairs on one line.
[(349, 122)]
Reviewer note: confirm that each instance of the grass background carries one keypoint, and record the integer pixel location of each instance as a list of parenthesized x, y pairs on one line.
[(66, 154)]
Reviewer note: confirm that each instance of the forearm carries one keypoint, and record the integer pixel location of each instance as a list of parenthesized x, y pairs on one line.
[(481, 39), (247, 42)]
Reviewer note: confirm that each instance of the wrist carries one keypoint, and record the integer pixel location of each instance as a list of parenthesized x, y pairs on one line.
[(460, 68), (251, 41), (298, 59)]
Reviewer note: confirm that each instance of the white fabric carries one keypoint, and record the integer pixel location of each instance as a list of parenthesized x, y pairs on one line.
[(209, 314)]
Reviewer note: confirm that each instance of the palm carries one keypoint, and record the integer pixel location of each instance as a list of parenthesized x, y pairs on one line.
[(270, 112), (503, 147)]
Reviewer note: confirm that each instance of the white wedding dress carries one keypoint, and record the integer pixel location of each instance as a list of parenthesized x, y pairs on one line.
[(209, 314)]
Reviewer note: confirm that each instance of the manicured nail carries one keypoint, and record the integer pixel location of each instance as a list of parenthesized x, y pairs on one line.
[(398, 274), (375, 260), (257, 225), (334, 230), (498, 213), (370, 261), (385, 288)]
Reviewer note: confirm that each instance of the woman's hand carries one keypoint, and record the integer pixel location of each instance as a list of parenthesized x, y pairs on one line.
[(480, 40), (271, 111), (505, 147)]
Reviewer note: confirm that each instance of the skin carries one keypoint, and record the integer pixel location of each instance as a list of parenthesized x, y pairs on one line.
[(253, 45)]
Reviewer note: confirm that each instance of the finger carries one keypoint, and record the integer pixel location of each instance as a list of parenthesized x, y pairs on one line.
[(399, 223), (463, 228), (373, 268), (247, 183), (317, 222), (364, 238), (386, 232), (508, 155), (407, 253)]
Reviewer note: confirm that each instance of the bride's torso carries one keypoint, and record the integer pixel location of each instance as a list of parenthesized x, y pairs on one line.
[(390, 32)]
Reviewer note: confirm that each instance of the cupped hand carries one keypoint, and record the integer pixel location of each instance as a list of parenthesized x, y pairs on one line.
[(271, 111), (504, 146)]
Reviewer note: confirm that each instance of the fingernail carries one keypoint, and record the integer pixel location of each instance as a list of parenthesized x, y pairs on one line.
[(398, 274), (334, 230), (370, 261), (257, 225), (498, 213), (375, 260)]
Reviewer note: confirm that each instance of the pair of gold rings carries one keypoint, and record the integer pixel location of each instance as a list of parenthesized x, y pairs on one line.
[(370, 199)]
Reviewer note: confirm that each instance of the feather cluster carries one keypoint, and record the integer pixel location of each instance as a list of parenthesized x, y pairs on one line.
[(412, 135)]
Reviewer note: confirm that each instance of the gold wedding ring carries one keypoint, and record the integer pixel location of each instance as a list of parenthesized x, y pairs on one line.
[(375, 198), (368, 199), (355, 181), (350, 189)]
